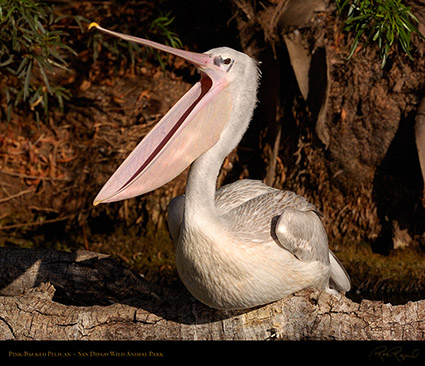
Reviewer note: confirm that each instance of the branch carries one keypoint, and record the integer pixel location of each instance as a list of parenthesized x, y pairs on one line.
[(123, 306)]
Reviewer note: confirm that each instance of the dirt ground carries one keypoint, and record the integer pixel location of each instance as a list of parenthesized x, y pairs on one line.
[(359, 165)]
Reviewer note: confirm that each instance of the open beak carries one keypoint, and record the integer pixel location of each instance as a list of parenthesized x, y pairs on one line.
[(190, 128)]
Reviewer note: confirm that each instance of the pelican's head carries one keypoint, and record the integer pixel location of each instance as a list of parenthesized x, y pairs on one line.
[(230, 64), (226, 94)]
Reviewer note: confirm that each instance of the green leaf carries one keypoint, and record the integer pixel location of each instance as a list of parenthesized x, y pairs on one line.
[(27, 80), (7, 62), (380, 21)]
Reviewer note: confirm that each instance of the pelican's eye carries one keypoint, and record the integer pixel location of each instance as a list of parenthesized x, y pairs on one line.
[(218, 61)]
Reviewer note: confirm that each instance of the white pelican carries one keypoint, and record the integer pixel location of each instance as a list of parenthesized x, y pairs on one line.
[(245, 244)]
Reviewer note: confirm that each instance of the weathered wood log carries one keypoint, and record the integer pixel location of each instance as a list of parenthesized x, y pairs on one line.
[(79, 278), (126, 307)]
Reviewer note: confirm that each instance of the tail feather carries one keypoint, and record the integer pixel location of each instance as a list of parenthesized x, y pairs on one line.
[(339, 279)]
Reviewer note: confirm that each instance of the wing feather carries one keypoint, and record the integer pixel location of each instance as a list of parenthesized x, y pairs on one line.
[(251, 209), (303, 234)]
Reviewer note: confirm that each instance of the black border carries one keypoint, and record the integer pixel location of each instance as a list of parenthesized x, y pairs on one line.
[(201, 352)]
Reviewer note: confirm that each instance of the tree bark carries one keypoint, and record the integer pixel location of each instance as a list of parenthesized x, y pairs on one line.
[(42, 293), (420, 140)]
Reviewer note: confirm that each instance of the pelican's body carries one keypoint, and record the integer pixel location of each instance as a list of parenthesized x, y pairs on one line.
[(238, 261), (245, 244)]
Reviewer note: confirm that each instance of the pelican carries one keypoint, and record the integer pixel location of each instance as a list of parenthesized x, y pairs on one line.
[(245, 244)]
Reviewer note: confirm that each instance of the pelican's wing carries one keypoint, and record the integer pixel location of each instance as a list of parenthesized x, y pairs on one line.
[(302, 233), (251, 209), (300, 230), (234, 195), (283, 217)]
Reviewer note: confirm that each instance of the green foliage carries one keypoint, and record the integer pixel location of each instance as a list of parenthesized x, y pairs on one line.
[(381, 21), (160, 28), (30, 49), (34, 48)]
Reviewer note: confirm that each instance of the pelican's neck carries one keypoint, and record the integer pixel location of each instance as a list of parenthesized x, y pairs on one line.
[(202, 181)]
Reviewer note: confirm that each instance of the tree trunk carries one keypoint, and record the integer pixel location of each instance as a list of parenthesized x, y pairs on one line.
[(420, 140), (42, 293)]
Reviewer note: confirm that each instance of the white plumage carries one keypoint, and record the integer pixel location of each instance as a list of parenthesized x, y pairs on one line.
[(245, 244)]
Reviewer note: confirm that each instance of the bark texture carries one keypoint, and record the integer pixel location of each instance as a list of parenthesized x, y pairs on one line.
[(48, 295)]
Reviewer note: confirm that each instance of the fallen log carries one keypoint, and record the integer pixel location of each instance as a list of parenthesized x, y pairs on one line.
[(121, 305)]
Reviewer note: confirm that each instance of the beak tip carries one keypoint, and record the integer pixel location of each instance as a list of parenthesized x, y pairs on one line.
[(93, 24)]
